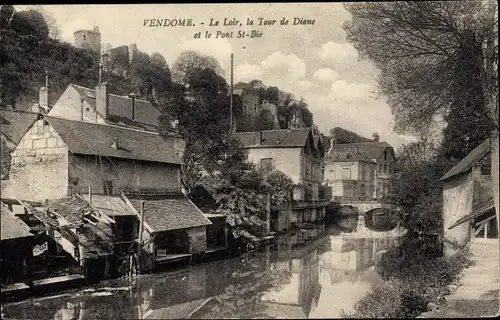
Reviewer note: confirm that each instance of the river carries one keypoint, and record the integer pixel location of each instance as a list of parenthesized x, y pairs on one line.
[(301, 276)]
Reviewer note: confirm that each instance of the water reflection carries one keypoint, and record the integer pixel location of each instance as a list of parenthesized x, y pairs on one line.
[(302, 276)]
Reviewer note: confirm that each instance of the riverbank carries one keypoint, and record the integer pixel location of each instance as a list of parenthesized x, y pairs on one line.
[(477, 293), (413, 283)]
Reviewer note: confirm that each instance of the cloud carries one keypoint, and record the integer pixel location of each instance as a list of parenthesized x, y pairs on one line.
[(345, 90), (285, 71), (337, 53), (325, 75)]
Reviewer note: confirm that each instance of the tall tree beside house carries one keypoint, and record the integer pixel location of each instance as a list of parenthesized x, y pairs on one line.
[(415, 188), (240, 194), (435, 57), (200, 107)]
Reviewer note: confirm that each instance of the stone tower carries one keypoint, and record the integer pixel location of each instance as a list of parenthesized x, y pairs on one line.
[(132, 52), (88, 39)]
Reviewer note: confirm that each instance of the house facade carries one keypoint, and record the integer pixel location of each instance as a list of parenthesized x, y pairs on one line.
[(468, 206), (294, 153), (351, 175), (382, 158)]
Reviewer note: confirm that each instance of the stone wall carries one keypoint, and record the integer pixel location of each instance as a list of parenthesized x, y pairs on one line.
[(39, 165)]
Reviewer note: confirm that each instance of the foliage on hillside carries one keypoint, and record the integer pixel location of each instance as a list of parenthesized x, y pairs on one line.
[(28, 54), (286, 105), (345, 136)]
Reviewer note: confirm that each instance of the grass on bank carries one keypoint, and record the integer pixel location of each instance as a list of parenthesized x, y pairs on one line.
[(412, 282)]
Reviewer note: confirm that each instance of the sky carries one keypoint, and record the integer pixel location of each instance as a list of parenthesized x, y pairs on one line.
[(314, 62)]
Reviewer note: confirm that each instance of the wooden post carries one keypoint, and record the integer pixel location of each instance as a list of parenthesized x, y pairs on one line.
[(90, 195), (139, 245)]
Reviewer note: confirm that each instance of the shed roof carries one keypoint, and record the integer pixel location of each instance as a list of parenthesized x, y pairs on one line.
[(15, 124), (120, 108), (372, 150), (165, 213), (111, 205), (469, 161), (11, 226), (476, 212), (97, 139), (287, 138)]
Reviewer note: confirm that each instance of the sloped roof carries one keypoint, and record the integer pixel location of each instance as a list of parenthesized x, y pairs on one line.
[(164, 213), (12, 227), (349, 156), (120, 108), (288, 138), (97, 139), (71, 208), (468, 162), (97, 238), (15, 124), (372, 150), (476, 212), (111, 205)]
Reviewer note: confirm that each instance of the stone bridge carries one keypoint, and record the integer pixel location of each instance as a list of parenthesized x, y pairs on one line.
[(365, 207)]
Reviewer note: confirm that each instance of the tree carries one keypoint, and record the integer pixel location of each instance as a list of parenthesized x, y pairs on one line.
[(5, 160), (264, 121), (415, 188), (190, 61), (376, 137), (240, 194), (6, 15), (420, 48), (150, 76), (200, 106), (30, 22), (54, 31)]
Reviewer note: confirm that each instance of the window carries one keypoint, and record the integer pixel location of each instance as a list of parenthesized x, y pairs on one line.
[(108, 187), (266, 163), (385, 155), (346, 173)]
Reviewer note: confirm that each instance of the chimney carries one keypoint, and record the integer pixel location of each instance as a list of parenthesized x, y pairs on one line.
[(43, 98), (102, 100), (81, 108), (258, 137)]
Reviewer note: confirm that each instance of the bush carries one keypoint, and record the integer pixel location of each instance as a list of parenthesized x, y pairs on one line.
[(411, 284), (392, 299)]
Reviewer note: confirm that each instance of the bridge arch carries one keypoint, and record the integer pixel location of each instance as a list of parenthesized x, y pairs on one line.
[(380, 219)]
